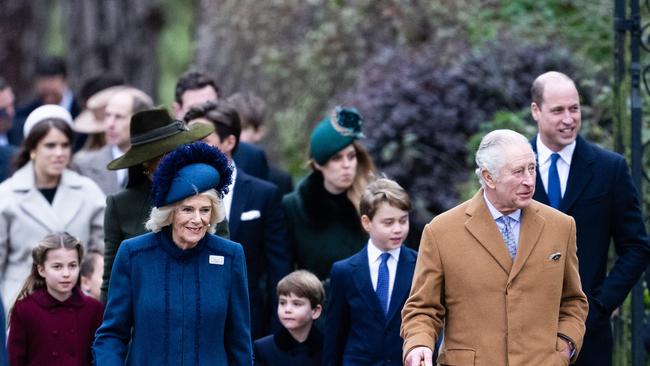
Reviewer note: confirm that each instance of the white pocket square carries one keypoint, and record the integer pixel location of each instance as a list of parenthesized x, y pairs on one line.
[(250, 215)]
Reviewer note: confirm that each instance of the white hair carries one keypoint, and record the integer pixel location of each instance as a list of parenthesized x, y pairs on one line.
[(163, 216), (490, 155)]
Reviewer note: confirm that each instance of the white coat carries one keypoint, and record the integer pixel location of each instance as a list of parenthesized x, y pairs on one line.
[(26, 217)]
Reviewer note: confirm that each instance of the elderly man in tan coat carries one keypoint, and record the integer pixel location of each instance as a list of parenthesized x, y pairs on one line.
[(499, 273)]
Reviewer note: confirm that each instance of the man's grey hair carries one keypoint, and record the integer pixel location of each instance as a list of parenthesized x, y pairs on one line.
[(491, 151), (163, 216)]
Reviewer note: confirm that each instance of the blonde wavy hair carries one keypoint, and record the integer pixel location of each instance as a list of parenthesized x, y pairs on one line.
[(163, 216)]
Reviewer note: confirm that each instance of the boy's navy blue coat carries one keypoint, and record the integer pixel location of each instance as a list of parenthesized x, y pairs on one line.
[(282, 349), (357, 331)]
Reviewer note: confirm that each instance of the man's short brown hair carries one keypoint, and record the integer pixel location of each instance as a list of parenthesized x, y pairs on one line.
[(383, 190), (302, 283)]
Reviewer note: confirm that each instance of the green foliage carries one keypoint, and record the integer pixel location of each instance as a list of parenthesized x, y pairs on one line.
[(584, 26), (175, 47), (55, 40)]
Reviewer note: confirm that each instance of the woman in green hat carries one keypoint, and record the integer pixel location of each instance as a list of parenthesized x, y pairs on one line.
[(322, 213)]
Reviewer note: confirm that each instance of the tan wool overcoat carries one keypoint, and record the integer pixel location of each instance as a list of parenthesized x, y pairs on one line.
[(495, 311)]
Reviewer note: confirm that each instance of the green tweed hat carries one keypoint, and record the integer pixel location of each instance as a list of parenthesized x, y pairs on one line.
[(334, 133), (154, 133)]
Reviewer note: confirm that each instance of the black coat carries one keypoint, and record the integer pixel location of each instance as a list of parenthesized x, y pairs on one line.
[(603, 201), (257, 222), (281, 349)]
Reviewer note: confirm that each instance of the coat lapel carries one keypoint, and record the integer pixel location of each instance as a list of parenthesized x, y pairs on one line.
[(33, 203), (403, 279), (108, 177), (239, 197), (363, 283), (484, 229), (530, 230), (580, 173), (67, 200)]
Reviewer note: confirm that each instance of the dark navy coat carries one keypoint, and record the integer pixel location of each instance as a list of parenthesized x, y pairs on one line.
[(281, 349), (257, 222), (168, 306), (603, 201), (357, 332)]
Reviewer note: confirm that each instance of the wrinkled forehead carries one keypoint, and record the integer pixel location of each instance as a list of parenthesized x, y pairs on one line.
[(518, 154)]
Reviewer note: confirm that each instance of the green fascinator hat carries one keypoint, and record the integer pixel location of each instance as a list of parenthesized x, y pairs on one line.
[(334, 133)]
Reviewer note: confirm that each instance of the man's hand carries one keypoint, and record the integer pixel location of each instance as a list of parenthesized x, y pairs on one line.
[(418, 356)]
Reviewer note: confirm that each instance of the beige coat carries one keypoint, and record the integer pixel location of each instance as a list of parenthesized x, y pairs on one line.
[(92, 164), (494, 311), (26, 217)]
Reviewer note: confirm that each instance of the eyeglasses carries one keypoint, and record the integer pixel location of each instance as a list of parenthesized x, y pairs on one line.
[(189, 211)]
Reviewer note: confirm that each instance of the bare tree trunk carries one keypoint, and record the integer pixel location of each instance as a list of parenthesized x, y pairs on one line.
[(118, 37), (22, 26)]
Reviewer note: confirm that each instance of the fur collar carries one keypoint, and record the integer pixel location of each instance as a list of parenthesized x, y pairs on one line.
[(323, 208)]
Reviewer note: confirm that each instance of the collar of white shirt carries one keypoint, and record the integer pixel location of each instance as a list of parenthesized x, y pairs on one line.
[(375, 253), (227, 198), (496, 213), (544, 153)]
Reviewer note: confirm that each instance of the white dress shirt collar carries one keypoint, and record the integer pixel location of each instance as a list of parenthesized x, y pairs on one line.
[(496, 213), (563, 163), (544, 153), (374, 260)]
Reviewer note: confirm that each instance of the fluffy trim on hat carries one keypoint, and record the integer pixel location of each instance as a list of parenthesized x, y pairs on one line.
[(196, 152)]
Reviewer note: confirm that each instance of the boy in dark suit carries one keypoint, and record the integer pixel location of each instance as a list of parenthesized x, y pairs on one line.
[(368, 290), (301, 297)]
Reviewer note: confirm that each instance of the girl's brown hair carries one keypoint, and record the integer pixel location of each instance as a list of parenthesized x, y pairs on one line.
[(39, 254)]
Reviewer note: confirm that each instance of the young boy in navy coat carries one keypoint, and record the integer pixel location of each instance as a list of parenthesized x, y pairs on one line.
[(298, 342), (368, 290)]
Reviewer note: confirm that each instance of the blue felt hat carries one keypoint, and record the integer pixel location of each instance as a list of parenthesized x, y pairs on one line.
[(188, 171), (334, 133)]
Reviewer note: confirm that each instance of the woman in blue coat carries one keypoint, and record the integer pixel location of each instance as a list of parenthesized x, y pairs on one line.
[(178, 295)]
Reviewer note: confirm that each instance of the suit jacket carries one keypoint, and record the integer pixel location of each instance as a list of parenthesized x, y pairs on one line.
[(257, 222), (93, 165), (26, 217), (281, 179), (495, 311), (357, 332), (603, 201), (6, 156), (168, 306), (126, 214), (251, 159)]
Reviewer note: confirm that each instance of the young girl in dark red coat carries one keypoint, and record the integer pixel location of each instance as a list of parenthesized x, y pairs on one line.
[(52, 321)]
